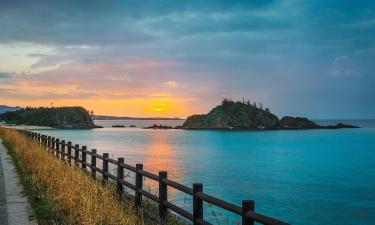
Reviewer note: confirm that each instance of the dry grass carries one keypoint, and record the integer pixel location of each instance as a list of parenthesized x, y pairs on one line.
[(75, 196)]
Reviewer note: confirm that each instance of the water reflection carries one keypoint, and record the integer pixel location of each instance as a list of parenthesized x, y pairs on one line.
[(161, 155)]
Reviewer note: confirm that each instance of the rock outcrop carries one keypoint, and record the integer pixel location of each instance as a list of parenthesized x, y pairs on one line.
[(155, 126), (297, 123)]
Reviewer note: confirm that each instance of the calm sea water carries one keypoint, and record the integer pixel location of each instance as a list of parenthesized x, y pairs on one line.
[(302, 177)]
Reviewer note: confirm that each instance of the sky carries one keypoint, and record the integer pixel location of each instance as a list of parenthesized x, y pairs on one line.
[(176, 58)]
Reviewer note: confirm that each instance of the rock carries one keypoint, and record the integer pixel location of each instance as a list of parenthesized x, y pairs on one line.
[(118, 126), (338, 126), (289, 122), (155, 126), (341, 125)]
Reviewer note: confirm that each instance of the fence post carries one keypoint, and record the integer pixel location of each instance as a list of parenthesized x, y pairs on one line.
[(105, 168), (138, 186), (76, 154), (247, 205), (163, 196), (93, 164), (57, 149), (53, 145), (48, 143), (44, 141), (83, 165), (70, 152), (197, 203), (120, 177), (63, 149)]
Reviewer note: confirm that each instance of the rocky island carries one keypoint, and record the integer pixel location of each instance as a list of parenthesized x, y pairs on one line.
[(118, 126), (243, 115), (162, 127), (55, 117)]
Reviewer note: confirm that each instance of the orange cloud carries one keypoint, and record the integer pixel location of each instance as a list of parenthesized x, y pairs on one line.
[(137, 88)]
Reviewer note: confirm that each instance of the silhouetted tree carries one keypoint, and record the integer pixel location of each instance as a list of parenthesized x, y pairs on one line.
[(226, 101)]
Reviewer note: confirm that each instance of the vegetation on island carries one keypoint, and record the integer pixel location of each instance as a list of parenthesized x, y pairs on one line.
[(56, 117), (245, 115), (234, 114)]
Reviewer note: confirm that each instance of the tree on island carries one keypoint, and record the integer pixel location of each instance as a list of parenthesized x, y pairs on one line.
[(259, 105)]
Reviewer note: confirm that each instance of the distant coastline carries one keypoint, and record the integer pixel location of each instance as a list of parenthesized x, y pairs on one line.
[(102, 117)]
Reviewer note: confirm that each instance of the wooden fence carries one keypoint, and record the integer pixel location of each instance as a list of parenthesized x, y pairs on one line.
[(67, 151)]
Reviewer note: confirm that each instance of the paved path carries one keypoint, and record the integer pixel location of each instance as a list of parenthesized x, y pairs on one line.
[(3, 202), (14, 208)]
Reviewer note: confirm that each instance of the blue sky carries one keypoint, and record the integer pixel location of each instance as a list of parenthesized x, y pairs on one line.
[(166, 58)]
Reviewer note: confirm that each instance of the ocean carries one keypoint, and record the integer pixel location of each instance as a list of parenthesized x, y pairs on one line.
[(315, 177)]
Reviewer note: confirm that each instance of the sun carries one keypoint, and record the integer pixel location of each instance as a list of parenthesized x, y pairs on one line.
[(159, 107)]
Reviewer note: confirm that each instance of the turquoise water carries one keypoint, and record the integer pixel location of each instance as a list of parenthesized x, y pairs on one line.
[(301, 177)]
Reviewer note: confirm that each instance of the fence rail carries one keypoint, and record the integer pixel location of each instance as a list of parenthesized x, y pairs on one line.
[(71, 153)]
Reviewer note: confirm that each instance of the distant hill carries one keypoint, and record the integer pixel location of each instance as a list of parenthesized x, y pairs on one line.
[(101, 117), (241, 115), (61, 117), (5, 108)]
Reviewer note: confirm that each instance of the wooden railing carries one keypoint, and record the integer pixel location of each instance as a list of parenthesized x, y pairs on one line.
[(67, 151)]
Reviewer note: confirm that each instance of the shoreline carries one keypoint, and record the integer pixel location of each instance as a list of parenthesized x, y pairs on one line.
[(26, 127)]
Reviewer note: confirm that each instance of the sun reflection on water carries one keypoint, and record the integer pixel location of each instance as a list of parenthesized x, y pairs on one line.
[(161, 156)]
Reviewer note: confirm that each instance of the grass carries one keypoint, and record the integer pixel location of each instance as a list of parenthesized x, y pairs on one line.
[(63, 194)]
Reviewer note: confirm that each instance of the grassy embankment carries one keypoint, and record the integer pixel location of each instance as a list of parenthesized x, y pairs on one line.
[(60, 193)]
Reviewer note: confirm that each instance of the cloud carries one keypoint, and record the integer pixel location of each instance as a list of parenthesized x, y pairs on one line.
[(4, 75), (344, 66), (201, 50), (171, 84)]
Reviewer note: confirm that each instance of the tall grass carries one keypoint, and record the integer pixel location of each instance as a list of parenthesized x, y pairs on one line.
[(75, 196)]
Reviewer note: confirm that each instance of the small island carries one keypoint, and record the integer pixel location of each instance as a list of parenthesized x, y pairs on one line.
[(118, 126), (162, 127), (55, 117), (244, 115)]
